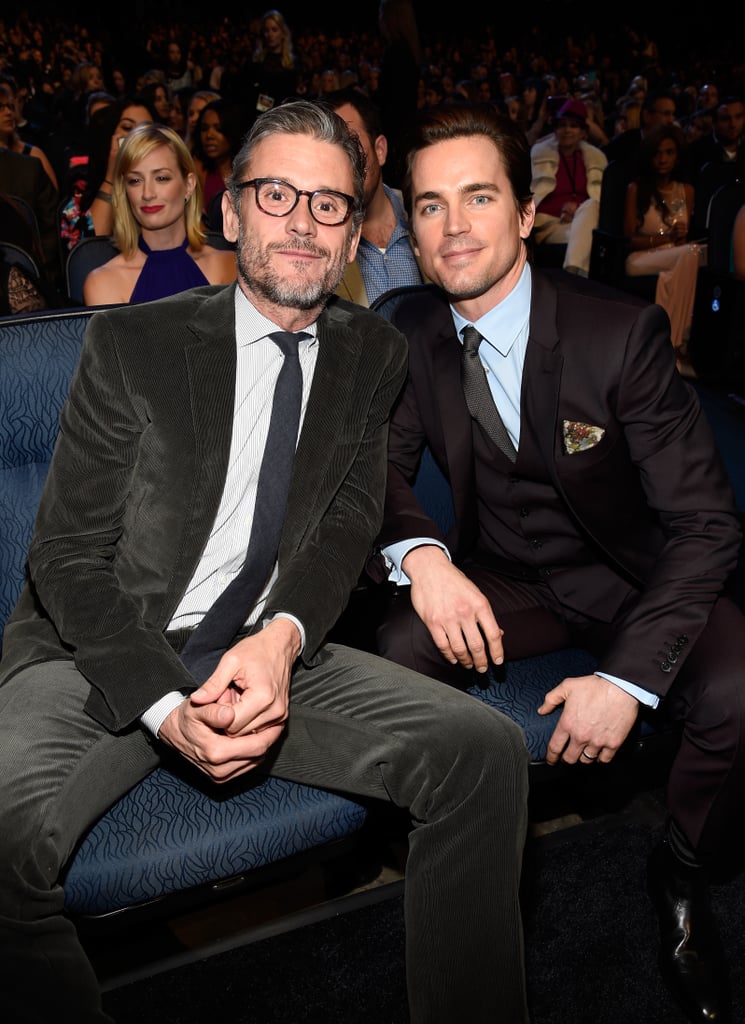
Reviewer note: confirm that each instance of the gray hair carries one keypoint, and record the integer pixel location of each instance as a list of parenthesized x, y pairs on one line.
[(302, 117)]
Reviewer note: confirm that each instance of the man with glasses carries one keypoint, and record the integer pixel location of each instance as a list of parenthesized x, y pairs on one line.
[(153, 495)]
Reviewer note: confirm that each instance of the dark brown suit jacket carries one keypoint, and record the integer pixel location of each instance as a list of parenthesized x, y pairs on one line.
[(652, 497), (137, 477)]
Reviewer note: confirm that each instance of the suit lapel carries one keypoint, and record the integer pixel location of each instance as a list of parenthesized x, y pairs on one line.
[(211, 364), (539, 400), (453, 414), (325, 415)]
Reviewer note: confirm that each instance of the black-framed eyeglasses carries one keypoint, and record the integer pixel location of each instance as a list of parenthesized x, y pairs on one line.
[(279, 198)]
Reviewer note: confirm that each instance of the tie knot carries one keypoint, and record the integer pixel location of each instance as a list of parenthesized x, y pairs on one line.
[(471, 340), (287, 341)]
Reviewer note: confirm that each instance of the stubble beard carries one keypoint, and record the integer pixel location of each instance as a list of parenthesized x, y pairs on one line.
[(256, 271)]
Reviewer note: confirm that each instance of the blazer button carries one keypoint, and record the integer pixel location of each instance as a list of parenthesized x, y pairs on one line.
[(665, 666)]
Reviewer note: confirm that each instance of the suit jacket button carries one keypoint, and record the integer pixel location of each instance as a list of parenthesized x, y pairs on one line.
[(665, 666)]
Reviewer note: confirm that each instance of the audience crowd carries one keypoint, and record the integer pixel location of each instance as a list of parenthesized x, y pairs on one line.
[(209, 80)]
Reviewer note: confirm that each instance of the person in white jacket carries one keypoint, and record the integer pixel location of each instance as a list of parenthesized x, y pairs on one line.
[(567, 175)]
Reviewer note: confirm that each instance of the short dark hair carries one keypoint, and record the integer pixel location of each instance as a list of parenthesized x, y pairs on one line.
[(653, 95), (467, 120), (368, 111)]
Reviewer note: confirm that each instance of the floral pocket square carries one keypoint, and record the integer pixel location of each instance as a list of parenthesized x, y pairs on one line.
[(578, 437)]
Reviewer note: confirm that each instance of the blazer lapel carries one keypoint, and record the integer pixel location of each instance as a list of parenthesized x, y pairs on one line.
[(211, 363), (539, 401), (326, 412), (453, 413)]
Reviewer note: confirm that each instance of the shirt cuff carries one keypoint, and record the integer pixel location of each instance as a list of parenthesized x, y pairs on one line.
[(650, 700), (298, 623), (394, 555), (156, 715)]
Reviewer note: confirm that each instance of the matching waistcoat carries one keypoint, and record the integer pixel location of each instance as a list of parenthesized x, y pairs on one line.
[(527, 531)]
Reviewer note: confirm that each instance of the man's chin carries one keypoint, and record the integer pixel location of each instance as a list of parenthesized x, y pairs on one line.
[(459, 288), (303, 296)]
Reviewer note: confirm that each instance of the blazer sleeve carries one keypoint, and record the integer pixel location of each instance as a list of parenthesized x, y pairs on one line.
[(415, 425), (688, 508), (93, 490)]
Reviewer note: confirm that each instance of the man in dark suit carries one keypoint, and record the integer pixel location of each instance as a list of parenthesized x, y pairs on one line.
[(658, 107), (718, 158), (590, 507), (723, 143), (146, 515)]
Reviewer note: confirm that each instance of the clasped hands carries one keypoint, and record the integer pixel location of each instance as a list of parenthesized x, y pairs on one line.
[(597, 715), (227, 726)]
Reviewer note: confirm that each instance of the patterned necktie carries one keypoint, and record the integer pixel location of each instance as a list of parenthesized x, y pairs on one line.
[(223, 620), (479, 397)]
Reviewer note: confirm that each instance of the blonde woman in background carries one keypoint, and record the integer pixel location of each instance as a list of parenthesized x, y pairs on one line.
[(157, 207)]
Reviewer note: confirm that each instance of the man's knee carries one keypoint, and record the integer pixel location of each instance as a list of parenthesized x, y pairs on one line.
[(476, 745)]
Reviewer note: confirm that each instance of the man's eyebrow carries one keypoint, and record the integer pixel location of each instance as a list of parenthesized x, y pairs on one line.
[(480, 186), (471, 187), (426, 195)]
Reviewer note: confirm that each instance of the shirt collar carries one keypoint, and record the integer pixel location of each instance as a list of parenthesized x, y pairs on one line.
[(506, 321), (251, 325)]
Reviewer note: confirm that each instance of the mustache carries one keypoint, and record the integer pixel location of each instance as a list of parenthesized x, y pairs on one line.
[(299, 245)]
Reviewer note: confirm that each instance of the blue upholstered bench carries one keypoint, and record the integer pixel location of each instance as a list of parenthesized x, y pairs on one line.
[(167, 835)]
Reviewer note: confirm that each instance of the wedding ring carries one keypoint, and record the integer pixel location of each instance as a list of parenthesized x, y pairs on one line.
[(589, 756)]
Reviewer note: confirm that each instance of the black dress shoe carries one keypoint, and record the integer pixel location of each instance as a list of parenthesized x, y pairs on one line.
[(691, 956)]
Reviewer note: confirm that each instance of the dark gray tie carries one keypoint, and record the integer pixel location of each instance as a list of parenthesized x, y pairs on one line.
[(479, 397), (227, 615)]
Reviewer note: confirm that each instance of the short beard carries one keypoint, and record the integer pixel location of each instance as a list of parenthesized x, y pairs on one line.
[(255, 269)]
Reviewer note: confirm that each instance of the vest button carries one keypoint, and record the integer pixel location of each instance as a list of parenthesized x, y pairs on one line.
[(524, 512)]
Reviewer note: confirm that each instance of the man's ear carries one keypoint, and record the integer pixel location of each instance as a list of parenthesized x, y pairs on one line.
[(354, 241), (381, 149), (527, 219), (229, 218)]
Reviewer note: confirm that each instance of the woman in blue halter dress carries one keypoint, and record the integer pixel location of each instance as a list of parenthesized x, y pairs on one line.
[(157, 207)]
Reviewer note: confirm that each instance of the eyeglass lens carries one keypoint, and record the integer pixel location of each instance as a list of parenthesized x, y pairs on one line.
[(279, 198)]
